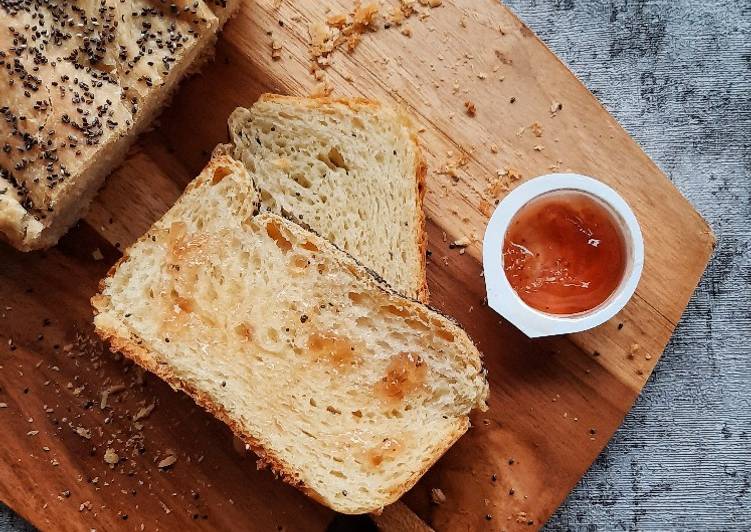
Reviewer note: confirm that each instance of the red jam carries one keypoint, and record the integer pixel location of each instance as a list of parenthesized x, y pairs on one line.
[(564, 253)]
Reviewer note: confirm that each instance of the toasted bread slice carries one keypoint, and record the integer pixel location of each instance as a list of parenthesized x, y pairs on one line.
[(351, 169), (87, 78), (346, 389)]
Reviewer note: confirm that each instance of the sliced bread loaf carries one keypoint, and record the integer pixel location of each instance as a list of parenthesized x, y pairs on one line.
[(80, 80), (346, 389), (351, 169)]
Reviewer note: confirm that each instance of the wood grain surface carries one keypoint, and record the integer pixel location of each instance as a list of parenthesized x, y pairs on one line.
[(554, 402)]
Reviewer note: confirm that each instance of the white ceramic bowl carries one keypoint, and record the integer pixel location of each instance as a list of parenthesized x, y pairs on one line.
[(502, 297)]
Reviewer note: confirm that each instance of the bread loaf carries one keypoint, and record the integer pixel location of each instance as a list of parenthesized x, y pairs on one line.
[(79, 81)]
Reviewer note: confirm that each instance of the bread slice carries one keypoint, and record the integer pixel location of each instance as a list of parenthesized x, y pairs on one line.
[(351, 169), (79, 81), (346, 389)]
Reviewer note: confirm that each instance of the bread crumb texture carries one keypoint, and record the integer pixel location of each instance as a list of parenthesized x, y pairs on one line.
[(346, 389), (351, 170)]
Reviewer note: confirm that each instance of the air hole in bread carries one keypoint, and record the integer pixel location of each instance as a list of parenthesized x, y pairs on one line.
[(313, 402), (299, 262), (244, 331), (337, 159), (365, 323), (302, 180), (396, 311), (275, 232), (337, 473), (272, 334), (220, 173), (310, 246), (399, 336), (356, 297), (443, 333), (266, 197), (333, 159), (416, 324)]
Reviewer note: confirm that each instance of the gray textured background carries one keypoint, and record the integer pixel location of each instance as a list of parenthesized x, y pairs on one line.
[(677, 75)]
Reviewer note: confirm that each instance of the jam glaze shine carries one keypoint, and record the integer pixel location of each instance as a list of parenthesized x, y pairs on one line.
[(564, 253)]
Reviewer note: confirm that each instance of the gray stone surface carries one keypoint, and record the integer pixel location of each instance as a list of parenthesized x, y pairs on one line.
[(677, 75)]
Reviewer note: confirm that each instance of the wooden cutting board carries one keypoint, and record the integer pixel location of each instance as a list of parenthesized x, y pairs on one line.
[(554, 402)]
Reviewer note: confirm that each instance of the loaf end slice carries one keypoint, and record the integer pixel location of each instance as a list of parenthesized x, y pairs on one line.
[(348, 390), (351, 169)]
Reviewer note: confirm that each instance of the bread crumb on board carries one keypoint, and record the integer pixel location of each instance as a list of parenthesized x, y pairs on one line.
[(167, 462), (470, 107), (454, 161), (111, 457), (345, 30), (322, 89), (437, 496), (276, 50)]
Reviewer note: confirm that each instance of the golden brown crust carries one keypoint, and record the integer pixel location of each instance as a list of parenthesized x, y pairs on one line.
[(423, 294)]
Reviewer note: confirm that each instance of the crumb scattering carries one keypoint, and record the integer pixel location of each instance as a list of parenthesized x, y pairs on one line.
[(108, 392), (437, 496), (111, 457), (344, 31), (276, 50), (144, 412), (167, 462), (454, 161)]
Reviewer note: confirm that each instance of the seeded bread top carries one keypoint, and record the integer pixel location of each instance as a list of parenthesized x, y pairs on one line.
[(74, 77)]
